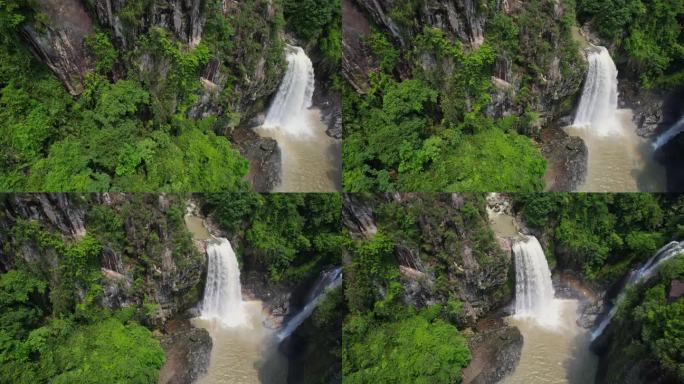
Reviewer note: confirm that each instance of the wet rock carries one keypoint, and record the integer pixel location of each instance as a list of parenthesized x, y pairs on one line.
[(589, 313), (648, 107), (264, 157), (567, 160), (188, 352), (495, 354)]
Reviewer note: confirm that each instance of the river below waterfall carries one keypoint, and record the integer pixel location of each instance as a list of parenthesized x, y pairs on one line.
[(310, 163), (618, 159), (622, 162), (239, 354), (554, 355), (244, 350)]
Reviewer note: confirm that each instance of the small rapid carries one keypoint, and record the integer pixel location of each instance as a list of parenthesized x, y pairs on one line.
[(670, 134)]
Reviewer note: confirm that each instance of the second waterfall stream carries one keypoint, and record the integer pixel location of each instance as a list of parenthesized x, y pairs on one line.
[(310, 159)]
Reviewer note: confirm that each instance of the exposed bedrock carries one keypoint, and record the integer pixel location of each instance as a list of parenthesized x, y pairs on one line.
[(566, 158), (188, 353), (174, 288), (495, 354), (463, 21), (60, 41)]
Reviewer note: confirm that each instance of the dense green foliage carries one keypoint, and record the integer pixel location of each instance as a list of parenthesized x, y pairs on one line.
[(425, 122), (53, 328), (649, 33), (387, 341), (603, 235), (391, 338), (650, 327), (319, 23), (413, 350), (293, 236), (129, 128)]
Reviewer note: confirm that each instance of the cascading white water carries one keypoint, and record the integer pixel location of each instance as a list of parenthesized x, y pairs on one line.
[(329, 280), (534, 293), (670, 134), (223, 293), (618, 160), (288, 110), (637, 276), (599, 103)]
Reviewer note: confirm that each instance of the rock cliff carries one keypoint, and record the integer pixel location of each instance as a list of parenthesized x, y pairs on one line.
[(474, 269), (59, 42), (150, 258)]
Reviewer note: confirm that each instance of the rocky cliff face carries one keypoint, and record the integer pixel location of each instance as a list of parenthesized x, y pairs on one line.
[(60, 41), (183, 17), (463, 21), (60, 44), (477, 270), (172, 274)]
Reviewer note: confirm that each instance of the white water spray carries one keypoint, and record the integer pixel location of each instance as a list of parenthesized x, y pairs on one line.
[(223, 293), (599, 102), (288, 111), (329, 280), (534, 293), (638, 276), (670, 134)]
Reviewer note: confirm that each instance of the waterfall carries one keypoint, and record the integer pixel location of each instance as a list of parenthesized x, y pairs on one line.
[(288, 110), (670, 134), (534, 293), (329, 280), (637, 276), (599, 102), (223, 293)]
